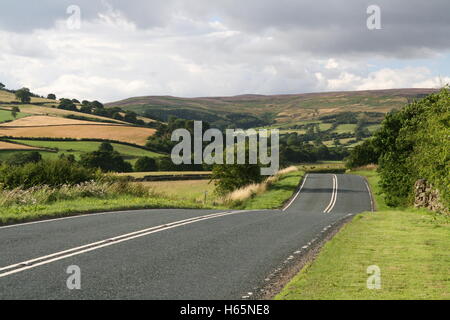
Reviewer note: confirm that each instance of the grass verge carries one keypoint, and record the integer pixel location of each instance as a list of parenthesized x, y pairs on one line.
[(21, 213), (409, 246), (277, 193)]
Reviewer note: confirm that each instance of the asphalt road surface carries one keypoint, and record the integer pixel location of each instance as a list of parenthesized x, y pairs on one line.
[(170, 254)]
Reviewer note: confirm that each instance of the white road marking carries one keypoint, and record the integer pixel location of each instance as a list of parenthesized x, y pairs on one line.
[(74, 217), (296, 195), (370, 196), (333, 195), (33, 263)]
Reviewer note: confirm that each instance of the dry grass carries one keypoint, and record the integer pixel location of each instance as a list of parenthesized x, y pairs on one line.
[(162, 173), (251, 190), (39, 121), (192, 190), (48, 111), (10, 97), (12, 146), (128, 134)]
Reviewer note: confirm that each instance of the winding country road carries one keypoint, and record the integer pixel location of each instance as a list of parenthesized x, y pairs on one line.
[(171, 254)]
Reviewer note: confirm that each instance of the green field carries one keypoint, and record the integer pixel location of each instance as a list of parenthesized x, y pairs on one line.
[(409, 246), (21, 213), (76, 148), (5, 115)]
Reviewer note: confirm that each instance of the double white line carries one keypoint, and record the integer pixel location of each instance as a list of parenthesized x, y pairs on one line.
[(333, 195), (33, 263)]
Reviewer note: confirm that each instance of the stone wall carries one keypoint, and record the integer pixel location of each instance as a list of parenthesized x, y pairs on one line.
[(427, 197)]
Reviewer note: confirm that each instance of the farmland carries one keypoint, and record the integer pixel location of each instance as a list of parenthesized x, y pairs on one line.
[(50, 127), (76, 148)]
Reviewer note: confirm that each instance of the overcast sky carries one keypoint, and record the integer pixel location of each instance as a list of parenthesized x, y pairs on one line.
[(196, 48)]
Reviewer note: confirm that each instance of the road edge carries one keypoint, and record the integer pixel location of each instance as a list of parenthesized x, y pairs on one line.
[(280, 277)]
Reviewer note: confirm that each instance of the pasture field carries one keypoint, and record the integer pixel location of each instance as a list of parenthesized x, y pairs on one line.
[(77, 148), (5, 115), (343, 128), (12, 146)]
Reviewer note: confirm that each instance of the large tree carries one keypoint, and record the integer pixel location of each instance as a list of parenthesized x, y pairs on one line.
[(24, 95)]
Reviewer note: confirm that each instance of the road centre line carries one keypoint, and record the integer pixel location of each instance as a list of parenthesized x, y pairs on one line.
[(295, 197), (333, 195), (33, 263)]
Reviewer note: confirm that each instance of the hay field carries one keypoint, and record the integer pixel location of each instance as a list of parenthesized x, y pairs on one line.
[(48, 111), (136, 135), (12, 146), (42, 121)]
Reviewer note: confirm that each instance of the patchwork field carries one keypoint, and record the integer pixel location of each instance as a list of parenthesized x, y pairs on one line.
[(54, 149), (12, 146), (49, 111), (5, 115), (51, 127)]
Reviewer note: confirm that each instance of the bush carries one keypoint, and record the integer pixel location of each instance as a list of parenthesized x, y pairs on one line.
[(145, 164), (48, 172), (414, 144), (230, 177), (19, 159), (105, 159)]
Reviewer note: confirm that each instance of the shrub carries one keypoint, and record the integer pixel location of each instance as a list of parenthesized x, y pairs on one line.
[(145, 164), (47, 172)]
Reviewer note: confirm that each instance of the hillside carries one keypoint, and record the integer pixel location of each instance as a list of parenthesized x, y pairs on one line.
[(283, 109)]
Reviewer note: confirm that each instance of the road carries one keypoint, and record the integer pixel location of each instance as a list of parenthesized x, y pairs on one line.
[(171, 254)]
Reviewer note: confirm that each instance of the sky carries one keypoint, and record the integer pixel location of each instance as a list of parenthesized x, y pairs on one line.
[(114, 49)]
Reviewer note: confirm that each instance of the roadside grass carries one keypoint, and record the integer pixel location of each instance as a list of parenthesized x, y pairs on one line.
[(18, 213), (185, 190), (138, 175), (277, 193), (409, 246)]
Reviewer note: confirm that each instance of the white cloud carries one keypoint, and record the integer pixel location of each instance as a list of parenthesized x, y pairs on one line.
[(111, 58)]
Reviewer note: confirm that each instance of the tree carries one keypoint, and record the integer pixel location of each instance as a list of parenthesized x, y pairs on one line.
[(2, 86), (67, 104), (24, 95), (106, 147), (14, 111), (229, 177), (106, 159), (145, 164), (20, 159), (51, 96)]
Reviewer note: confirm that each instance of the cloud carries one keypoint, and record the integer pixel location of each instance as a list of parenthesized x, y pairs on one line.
[(204, 48)]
